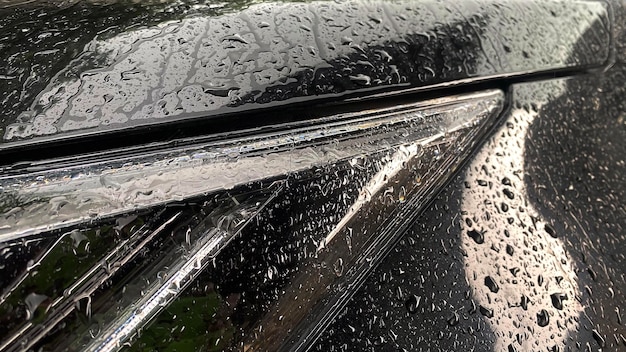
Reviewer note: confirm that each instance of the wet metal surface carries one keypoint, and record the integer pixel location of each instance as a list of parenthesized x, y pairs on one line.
[(66, 193), (96, 67), (525, 249), (328, 199)]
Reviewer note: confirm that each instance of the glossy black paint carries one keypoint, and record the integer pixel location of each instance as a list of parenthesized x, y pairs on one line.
[(126, 65), (547, 190), (540, 208)]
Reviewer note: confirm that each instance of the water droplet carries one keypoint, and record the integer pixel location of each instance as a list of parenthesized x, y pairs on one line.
[(384, 55), (346, 40), (491, 284), (361, 79), (557, 300), (33, 301), (543, 318), (454, 319), (550, 230), (478, 237), (374, 19), (271, 271), (235, 38), (338, 267), (524, 302), (402, 195), (485, 311), (77, 237), (599, 339), (592, 273), (413, 303)]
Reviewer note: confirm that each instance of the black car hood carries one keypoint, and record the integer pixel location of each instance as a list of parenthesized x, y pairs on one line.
[(92, 69)]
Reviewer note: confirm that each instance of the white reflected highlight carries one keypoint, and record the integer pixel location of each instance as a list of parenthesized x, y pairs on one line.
[(524, 260)]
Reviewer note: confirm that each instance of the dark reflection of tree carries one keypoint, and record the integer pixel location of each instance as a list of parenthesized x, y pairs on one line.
[(242, 270), (576, 149), (39, 39), (443, 53)]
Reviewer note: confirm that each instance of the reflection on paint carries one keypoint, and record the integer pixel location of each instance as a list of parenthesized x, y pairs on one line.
[(522, 278)]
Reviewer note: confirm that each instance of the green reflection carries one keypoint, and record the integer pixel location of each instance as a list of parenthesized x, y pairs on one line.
[(190, 323)]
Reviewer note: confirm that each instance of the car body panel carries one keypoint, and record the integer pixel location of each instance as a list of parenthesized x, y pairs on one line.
[(523, 250), (116, 72)]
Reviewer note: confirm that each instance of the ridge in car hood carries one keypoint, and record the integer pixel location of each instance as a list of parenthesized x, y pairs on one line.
[(126, 65)]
